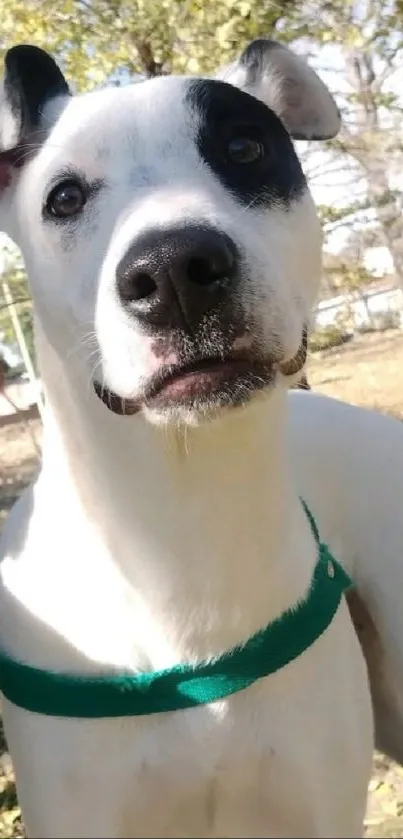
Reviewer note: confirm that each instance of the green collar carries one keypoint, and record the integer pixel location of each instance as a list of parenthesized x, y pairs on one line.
[(185, 686)]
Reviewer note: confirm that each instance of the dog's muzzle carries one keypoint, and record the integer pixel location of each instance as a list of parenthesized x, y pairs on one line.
[(195, 382)]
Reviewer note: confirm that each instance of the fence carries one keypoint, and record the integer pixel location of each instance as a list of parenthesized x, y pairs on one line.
[(363, 307)]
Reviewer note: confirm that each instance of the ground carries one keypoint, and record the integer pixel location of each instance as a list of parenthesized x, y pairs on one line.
[(368, 371)]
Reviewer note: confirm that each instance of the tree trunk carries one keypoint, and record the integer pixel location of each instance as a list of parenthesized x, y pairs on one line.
[(371, 152), (388, 215)]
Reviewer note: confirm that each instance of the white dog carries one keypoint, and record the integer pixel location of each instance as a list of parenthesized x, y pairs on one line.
[(174, 255)]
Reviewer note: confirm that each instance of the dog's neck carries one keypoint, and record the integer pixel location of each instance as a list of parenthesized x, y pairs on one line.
[(204, 525)]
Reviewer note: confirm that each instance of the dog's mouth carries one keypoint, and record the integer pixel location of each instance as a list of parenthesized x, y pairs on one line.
[(193, 384), (208, 379), (116, 404), (205, 382)]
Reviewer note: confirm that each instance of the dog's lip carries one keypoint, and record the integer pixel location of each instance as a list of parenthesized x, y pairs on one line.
[(173, 380), (294, 365), (117, 404), (210, 370)]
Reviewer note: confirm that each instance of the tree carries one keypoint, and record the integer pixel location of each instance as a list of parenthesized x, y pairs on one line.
[(368, 151), (14, 275), (96, 40)]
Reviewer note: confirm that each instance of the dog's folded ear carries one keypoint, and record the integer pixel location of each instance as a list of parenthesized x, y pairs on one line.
[(285, 82), (31, 79)]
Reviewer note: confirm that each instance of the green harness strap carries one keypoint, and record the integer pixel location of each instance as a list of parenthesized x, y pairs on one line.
[(185, 686)]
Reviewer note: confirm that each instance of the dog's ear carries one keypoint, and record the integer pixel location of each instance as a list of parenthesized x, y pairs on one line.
[(31, 79), (285, 82)]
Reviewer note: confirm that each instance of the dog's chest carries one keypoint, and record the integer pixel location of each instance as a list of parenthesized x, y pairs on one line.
[(223, 770), (202, 773), (246, 767), (209, 772), (291, 755)]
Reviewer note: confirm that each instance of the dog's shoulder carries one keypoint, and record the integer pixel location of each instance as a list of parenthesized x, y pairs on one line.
[(346, 432), (348, 463)]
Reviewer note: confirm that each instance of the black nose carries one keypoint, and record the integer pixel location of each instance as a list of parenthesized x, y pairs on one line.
[(174, 277)]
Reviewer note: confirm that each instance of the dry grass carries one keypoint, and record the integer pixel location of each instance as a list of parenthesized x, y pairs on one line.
[(367, 372)]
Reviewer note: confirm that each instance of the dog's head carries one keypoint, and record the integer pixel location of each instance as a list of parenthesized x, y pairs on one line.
[(171, 221)]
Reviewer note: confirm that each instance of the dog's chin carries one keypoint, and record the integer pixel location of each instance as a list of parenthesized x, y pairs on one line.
[(193, 393)]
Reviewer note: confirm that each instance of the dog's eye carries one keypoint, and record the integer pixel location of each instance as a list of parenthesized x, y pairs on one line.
[(244, 149), (66, 200)]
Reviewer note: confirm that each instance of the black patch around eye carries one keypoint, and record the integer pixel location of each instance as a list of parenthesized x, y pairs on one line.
[(223, 113)]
